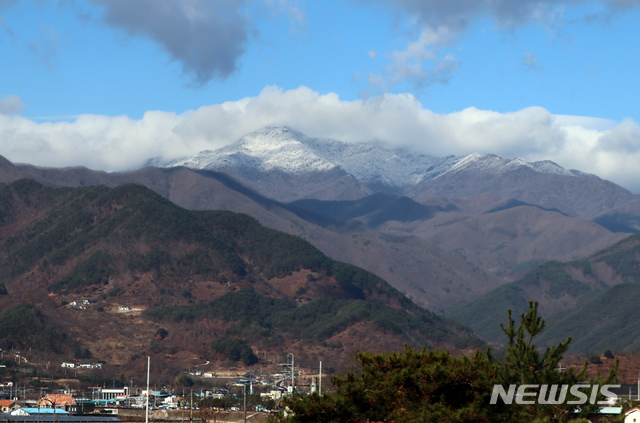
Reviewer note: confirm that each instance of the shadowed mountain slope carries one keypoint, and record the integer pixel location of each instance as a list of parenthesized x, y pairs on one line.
[(373, 210), (606, 321), (509, 241), (564, 290)]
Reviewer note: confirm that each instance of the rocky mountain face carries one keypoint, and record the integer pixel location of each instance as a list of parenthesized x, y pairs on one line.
[(484, 181)]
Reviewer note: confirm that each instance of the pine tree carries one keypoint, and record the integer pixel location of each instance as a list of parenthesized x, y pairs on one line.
[(434, 386)]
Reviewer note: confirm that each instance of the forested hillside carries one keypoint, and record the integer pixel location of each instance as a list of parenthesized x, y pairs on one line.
[(198, 276), (590, 299)]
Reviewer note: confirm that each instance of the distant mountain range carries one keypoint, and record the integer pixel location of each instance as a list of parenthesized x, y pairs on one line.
[(287, 166), (401, 260), (443, 231), (377, 167), (441, 250)]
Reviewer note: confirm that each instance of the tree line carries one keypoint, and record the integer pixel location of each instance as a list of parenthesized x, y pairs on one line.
[(436, 386)]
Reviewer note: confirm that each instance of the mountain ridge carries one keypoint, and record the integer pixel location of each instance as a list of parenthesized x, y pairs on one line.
[(373, 164), (288, 166)]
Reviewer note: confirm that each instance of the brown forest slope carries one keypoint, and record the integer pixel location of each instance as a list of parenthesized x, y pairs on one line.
[(432, 277), (199, 275)]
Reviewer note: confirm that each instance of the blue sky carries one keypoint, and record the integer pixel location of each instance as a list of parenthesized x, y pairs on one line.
[(546, 79)]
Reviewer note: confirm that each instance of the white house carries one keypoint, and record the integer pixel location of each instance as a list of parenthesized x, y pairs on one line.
[(632, 416)]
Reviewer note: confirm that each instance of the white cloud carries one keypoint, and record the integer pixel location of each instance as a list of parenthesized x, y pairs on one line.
[(11, 104), (457, 15), (45, 47), (530, 62), (609, 150), (419, 64), (612, 153)]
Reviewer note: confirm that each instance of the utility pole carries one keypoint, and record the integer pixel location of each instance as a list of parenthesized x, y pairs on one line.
[(320, 380), (293, 371), (244, 418), (146, 416)]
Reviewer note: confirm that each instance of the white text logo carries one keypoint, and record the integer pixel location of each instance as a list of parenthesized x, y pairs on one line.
[(553, 394)]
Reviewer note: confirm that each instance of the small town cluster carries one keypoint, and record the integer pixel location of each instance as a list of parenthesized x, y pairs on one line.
[(196, 394)]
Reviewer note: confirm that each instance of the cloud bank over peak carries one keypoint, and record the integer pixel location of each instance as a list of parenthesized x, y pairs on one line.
[(608, 149)]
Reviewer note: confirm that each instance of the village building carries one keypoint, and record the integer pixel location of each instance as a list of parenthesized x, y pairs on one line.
[(7, 406), (632, 416), (62, 401), (33, 411)]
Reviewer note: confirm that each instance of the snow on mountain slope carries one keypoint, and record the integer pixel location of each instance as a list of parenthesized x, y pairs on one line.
[(272, 148), (490, 163), (372, 164), (280, 148)]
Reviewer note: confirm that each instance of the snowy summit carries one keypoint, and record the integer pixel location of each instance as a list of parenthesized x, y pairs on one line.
[(279, 148)]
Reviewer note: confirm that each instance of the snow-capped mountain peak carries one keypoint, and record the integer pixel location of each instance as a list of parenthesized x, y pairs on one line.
[(490, 163), (271, 148), (373, 164)]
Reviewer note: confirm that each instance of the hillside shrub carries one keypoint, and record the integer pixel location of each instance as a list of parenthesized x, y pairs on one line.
[(235, 350)]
